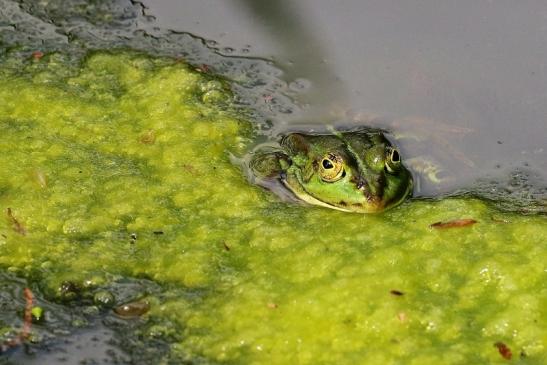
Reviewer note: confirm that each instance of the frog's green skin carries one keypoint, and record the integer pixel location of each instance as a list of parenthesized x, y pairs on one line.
[(349, 171)]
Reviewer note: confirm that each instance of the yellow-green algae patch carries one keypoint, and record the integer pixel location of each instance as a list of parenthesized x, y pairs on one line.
[(122, 166)]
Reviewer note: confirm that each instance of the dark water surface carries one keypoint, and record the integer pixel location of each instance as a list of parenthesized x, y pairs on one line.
[(468, 77)]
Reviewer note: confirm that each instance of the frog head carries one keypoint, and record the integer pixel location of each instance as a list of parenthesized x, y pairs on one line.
[(349, 171)]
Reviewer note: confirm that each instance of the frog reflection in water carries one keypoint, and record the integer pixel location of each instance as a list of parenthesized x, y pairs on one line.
[(349, 171)]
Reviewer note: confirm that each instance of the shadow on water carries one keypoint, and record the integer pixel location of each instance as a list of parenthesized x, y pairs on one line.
[(294, 33)]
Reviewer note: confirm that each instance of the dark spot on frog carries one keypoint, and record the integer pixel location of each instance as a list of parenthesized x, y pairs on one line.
[(158, 232), (343, 203), (396, 292), (359, 182), (315, 164)]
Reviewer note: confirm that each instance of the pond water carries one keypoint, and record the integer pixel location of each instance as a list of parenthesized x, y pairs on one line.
[(118, 176), (468, 77)]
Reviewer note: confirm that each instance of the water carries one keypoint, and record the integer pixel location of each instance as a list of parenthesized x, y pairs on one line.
[(463, 84), (467, 78)]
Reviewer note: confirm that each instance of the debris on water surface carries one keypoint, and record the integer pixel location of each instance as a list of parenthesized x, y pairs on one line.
[(453, 223), (272, 305), (69, 290), (132, 309), (397, 292), (17, 226), (27, 323), (148, 137), (500, 220), (37, 314), (104, 298), (203, 68), (37, 55), (504, 351), (226, 247), (40, 178), (29, 300)]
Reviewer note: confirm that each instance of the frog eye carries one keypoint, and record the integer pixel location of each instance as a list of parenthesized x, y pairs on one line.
[(331, 168), (393, 159)]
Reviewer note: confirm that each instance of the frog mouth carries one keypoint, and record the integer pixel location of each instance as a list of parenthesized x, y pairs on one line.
[(302, 194), (307, 197), (374, 204)]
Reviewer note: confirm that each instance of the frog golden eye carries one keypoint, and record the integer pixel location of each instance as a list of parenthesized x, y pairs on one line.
[(331, 168), (393, 159)]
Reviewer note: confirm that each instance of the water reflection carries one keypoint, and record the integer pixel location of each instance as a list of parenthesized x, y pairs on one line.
[(466, 78)]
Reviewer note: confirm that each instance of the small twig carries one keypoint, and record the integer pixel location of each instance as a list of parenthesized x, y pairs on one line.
[(17, 226), (29, 300), (27, 324)]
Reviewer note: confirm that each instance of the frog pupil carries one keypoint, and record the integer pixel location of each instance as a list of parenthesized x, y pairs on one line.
[(327, 164), (395, 156)]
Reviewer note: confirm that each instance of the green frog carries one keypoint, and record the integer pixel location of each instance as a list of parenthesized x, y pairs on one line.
[(354, 171)]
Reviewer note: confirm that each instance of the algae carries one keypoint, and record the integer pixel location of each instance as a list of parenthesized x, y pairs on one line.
[(120, 168)]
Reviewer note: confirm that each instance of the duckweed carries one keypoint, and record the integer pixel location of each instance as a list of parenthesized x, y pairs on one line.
[(122, 167)]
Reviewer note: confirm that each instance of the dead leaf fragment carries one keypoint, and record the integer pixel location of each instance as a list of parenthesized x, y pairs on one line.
[(504, 351), (16, 225), (148, 137), (132, 309), (37, 55), (453, 223)]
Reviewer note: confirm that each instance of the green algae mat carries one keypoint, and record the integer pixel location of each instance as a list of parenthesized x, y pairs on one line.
[(120, 168)]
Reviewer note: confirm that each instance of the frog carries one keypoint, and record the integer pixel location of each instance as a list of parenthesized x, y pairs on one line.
[(357, 171)]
